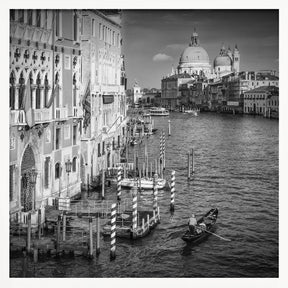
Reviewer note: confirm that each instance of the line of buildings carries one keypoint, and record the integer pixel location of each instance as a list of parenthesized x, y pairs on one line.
[(223, 87), (67, 102)]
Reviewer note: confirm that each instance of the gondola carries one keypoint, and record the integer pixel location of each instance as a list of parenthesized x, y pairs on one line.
[(201, 231)]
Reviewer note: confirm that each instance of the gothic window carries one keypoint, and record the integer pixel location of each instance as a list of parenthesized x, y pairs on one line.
[(21, 91), (57, 140), (46, 172), (30, 17), (74, 162), (38, 18), (46, 90), (103, 147), (38, 92), (75, 26), (74, 134), (57, 170), (99, 149), (74, 91), (21, 16), (12, 15), (57, 96), (12, 91)]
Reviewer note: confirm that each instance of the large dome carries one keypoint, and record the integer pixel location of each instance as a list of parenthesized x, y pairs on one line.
[(222, 61), (194, 54)]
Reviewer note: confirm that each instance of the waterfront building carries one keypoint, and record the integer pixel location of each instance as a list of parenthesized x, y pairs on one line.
[(44, 127), (193, 93), (236, 84), (263, 100), (103, 89), (170, 89), (137, 94)]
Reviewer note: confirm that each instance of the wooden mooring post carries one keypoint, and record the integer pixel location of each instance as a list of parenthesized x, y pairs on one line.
[(39, 224), (189, 166), (98, 237), (28, 242), (64, 226), (103, 183), (134, 210), (169, 127), (192, 153), (90, 238), (58, 235)]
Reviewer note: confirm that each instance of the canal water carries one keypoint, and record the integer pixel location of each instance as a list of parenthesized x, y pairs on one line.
[(236, 170)]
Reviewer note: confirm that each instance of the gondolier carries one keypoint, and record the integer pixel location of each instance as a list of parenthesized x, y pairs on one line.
[(192, 223)]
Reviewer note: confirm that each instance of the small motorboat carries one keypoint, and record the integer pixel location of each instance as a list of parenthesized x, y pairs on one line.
[(146, 183), (205, 224)]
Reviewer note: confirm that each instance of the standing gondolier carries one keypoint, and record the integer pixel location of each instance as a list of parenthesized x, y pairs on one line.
[(192, 223)]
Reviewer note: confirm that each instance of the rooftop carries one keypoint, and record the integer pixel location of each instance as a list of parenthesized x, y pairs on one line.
[(263, 89)]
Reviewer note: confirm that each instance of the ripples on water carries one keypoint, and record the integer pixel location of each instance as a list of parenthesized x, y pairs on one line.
[(236, 165)]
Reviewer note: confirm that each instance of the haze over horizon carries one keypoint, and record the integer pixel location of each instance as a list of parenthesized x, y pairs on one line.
[(153, 40)]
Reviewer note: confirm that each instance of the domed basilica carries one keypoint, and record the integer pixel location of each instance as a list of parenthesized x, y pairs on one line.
[(194, 61)]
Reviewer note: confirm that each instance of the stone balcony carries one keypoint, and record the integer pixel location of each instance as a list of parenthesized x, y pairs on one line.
[(17, 117), (61, 113), (77, 112), (42, 115)]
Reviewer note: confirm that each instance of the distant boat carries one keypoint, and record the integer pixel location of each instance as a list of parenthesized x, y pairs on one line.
[(146, 183), (159, 111), (194, 112)]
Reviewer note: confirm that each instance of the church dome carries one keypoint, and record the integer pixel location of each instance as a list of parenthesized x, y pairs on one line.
[(194, 54), (224, 60)]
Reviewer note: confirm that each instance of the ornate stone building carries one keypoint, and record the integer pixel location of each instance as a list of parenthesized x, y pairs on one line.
[(194, 59), (45, 62)]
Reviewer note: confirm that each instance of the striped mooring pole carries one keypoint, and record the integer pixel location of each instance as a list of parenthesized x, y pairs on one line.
[(155, 193), (163, 149), (134, 210), (192, 153), (172, 190), (113, 232), (119, 183)]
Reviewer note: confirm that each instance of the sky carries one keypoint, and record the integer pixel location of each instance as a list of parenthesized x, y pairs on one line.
[(153, 40)]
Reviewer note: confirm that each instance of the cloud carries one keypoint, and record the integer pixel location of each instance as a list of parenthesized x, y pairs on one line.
[(162, 57)]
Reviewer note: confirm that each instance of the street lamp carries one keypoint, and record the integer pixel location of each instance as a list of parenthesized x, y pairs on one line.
[(68, 166), (33, 178)]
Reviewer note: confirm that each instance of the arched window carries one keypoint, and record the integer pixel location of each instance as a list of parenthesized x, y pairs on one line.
[(38, 92), (12, 91), (57, 96), (46, 90), (21, 91), (57, 170), (74, 91), (74, 162)]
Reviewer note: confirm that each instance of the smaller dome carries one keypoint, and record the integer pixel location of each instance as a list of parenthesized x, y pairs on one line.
[(222, 61)]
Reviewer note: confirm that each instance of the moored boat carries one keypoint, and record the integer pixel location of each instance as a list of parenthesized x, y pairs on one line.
[(146, 183), (159, 111), (203, 231)]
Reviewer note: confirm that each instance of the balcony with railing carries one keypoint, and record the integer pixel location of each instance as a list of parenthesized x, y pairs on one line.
[(61, 113), (17, 117), (77, 112), (42, 115)]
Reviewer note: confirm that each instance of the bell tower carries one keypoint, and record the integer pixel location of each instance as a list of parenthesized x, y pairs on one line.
[(236, 59)]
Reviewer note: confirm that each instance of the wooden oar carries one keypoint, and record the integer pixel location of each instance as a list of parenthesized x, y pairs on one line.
[(226, 239)]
